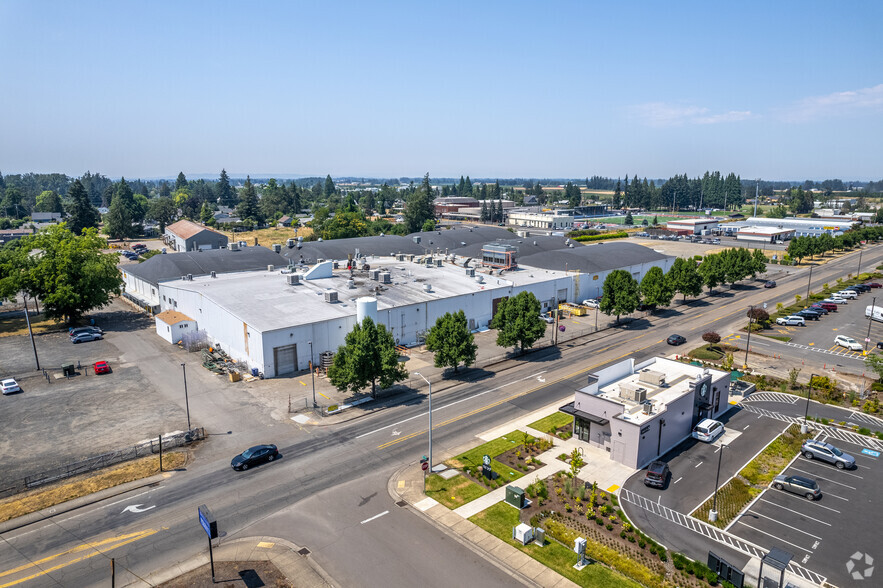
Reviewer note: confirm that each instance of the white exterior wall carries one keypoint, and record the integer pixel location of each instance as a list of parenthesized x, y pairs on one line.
[(592, 285), (173, 333), (141, 288)]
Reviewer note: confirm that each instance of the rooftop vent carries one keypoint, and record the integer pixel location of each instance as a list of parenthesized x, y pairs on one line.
[(330, 296), (374, 275), (289, 243), (385, 278), (438, 263), (350, 284), (293, 279), (427, 287), (190, 277), (470, 272), (277, 247), (271, 268), (243, 244), (234, 246), (214, 274), (479, 278)]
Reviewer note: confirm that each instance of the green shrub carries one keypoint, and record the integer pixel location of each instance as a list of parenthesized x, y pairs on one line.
[(601, 237)]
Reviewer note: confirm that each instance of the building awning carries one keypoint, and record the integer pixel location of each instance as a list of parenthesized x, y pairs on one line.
[(569, 409)]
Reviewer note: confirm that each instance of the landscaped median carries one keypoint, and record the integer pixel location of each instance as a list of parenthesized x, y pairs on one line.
[(733, 496)]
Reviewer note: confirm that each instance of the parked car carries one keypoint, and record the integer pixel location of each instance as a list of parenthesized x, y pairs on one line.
[(834, 300), (139, 246), (859, 287), (254, 456), (798, 485), (848, 342), (657, 474), (707, 430), (829, 306), (592, 303), (676, 340), (813, 449), (819, 308), (548, 318), (85, 337), (101, 367), (874, 285), (848, 294), (9, 386), (793, 320), (769, 284), (78, 330), (808, 314), (879, 344)]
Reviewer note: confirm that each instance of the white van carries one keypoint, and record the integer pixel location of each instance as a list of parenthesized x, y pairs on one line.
[(875, 312), (707, 430)]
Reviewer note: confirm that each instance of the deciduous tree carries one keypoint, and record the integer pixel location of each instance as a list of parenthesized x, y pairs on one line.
[(451, 341), (367, 357), (655, 288), (518, 321), (620, 294)]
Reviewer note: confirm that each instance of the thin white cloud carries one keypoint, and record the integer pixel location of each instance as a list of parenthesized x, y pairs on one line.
[(661, 114), (838, 103)]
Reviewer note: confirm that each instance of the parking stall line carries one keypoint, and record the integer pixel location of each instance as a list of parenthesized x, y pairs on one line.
[(786, 525), (835, 496), (776, 537), (842, 473), (797, 512), (805, 501), (823, 478)]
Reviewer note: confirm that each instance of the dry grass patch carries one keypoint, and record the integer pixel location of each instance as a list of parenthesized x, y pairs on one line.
[(17, 325), (454, 492), (86, 484), (269, 236)]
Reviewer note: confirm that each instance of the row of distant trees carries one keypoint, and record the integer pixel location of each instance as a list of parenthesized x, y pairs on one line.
[(801, 247)]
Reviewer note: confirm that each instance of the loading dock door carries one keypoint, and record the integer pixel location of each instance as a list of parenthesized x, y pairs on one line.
[(285, 359)]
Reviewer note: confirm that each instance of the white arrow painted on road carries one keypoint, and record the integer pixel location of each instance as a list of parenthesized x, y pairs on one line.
[(134, 508), (541, 379), (396, 433)]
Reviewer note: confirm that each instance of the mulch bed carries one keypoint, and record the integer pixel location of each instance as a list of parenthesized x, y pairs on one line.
[(232, 574)]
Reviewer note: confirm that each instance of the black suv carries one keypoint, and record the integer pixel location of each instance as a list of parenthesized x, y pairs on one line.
[(657, 474), (808, 313)]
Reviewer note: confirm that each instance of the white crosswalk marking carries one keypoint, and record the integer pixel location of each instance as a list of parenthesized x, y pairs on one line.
[(834, 432), (771, 397), (713, 533)]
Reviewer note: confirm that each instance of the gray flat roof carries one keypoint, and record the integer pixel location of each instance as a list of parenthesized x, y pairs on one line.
[(266, 302), (592, 259), (170, 266)]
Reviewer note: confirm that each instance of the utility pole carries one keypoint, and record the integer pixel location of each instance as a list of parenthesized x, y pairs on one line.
[(31, 332), (808, 282), (748, 344), (312, 373), (859, 269), (804, 427), (756, 195), (428, 383), (186, 400)]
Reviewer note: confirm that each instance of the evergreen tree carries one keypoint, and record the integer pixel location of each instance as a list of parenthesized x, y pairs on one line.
[(164, 190), (620, 294), (248, 208), (367, 357), (81, 213), (225, 194), (469, 189), (296, 204), (628, 219), (617, 195), (329, 187), (485, 214), (518, 321), (418, 207), (684, 279), (181, 182), (496, 191), (118, 220), (205, 213), (451, 341)]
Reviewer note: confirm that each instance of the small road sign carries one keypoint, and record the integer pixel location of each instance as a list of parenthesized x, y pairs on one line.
[(424, 466)]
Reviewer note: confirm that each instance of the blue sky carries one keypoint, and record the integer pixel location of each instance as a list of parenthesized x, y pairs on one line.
[(776, 90)]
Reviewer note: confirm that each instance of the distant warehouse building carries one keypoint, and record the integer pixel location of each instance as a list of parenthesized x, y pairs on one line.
[(186, 235), (764, 234), (542, 220), (692, 226), (802, 227)]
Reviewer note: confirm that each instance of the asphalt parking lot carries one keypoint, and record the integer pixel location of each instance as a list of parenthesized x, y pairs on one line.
[(823, 534), (63, 420), (849, 320)]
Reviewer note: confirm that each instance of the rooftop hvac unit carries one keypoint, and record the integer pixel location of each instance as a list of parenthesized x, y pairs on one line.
[(214, 274), (427, 287), (470, 272), (648, 407), (350, 284), (411, 257), (330, 296), (386, 278), (438, 263), (277, 247), (479, 278), (243, 244), (293, 279), (400, 257), (320, 260), (289, 243), (335, 265), (189, 277), (652, 377), (234, 246), (632, 392), (184, 278), (374, 274), (271, 268)]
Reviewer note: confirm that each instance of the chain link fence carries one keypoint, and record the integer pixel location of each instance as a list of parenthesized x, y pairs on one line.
[(104, 460)]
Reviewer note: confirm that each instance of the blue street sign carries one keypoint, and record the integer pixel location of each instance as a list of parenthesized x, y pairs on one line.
[(208, 522), (871, 452)]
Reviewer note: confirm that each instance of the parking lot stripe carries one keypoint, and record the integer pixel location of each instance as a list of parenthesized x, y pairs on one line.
[(795, 511), (804, 501), (842, 473), (787, 525), (835, 496), (679, 479), (776, 537), (824, 478)]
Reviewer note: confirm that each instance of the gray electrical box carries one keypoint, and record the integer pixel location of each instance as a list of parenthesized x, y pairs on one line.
[(515, 496)]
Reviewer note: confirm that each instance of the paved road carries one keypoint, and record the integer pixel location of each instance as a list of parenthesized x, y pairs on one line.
[(335, 473)]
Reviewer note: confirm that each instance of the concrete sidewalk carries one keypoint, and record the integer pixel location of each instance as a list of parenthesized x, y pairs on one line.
[(407, 485)]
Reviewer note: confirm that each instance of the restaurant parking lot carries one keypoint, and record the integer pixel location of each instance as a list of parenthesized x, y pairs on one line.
[(824, 534)]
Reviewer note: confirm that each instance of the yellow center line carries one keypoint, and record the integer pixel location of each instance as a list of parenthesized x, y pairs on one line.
[(518, 395), (113, 543)]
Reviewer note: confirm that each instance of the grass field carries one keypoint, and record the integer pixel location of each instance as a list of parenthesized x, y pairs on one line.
[(619, 220), (269, 236), (473, 457), (455, 492), (16, 325), (546, 424)]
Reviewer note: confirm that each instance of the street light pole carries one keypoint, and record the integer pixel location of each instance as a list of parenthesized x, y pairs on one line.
[(804, 427), (430, 417), (859, 269), (748, 344), (808, 283), (186, 399), (712, 515), (312, 373)]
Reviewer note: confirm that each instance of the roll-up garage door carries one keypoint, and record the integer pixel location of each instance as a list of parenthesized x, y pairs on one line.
[(285, 359)]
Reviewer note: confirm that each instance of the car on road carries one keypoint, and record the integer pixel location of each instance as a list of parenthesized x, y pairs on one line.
[(791, 320), (77, 330), (813, 449), (9, 386), (879, 344), (808, 314), (707, 430), (798, 485), (657, 474), (101, 367), (848, 342), (549, 319), (820, 309), (592, 303), (676, 340), (254, 456), (834, 300), (848, 294), (86, 337), (769, 284), (829, 306)]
